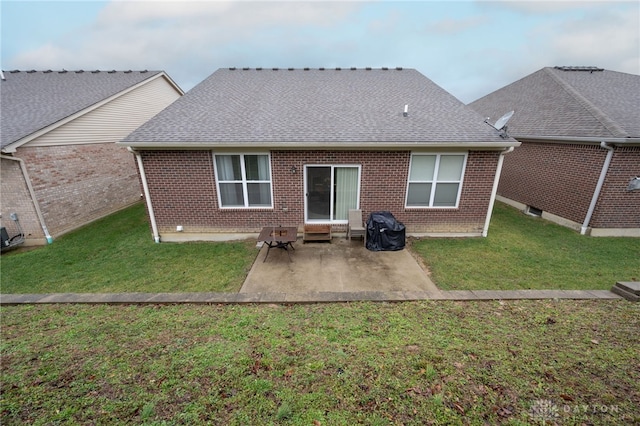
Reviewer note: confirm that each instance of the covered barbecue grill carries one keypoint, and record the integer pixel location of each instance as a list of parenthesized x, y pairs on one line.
[(384, 232)]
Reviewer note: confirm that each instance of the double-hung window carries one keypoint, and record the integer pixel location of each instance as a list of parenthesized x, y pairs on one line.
[(435, 180), (243, 180)]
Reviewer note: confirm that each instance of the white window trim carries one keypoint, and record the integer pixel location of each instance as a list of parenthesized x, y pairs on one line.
[(244, 181), (435, 182), (306, 199)]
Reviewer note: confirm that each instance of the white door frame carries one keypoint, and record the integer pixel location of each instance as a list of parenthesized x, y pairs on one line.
[(306, 192)]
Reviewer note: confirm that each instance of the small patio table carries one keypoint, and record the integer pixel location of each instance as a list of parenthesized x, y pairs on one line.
[(278, 237)]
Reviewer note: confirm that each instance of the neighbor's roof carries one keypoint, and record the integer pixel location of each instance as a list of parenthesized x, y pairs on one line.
[(34, 100), (582, 102), (314, 107)]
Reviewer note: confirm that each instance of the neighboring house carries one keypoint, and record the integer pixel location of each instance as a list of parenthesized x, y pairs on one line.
[(580, 156), (248, 148), (61, 167)]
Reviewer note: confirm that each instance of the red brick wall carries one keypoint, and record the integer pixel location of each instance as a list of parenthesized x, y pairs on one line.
[(76, 184), (617, 207), (557, 178), (183, 191), (561, 179)]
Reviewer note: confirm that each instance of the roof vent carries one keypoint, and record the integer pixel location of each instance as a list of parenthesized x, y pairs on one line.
[(245, 68), (232, 68), (406, 111), (111, 72), (385, 69), (275, 69), (290, 69), (95, 72), (353, 68), (321, 68), (399, 68), (128, 72), (31, 71), (47, 71), (79, 71), (338, 68), (259, 69), (306, 68), (588, 69), (368, 68), (2, 76)]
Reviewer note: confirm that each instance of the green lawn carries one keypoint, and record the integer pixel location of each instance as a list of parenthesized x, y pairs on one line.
[(117, 254), (414, 363), (524, 252), (460, 363)]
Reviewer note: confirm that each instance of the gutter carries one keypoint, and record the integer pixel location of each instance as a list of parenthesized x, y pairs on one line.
[(147, 196), (32, 193), (596, 193), (382, 146), (578, 139), (494, 190)]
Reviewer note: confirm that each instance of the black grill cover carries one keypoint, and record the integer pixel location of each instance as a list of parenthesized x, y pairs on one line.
[(384, 232)]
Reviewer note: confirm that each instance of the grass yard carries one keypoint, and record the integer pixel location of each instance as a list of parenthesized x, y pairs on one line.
[(524, 252), (456, 363), (117, 254), (468, 363)]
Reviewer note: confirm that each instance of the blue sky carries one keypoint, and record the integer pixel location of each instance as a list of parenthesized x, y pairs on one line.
[(470, 48)]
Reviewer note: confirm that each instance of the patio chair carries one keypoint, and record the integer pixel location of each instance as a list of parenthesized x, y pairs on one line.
[(356, 226)]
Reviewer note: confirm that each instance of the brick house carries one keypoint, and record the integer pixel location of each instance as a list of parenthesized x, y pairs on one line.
[(61, 167), (248, 148), (579, 161)]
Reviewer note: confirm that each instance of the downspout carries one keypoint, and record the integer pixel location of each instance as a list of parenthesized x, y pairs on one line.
[(147, 196), (32, 193), (494, 190), (596, 193)]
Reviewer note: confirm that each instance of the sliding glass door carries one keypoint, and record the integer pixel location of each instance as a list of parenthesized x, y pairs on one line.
[(330, 192)]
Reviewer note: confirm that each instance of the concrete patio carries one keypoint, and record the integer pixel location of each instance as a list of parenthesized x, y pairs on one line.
[(337, 266)]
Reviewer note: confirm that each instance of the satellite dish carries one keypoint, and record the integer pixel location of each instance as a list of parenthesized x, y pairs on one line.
[(501, 124), (502, 121)]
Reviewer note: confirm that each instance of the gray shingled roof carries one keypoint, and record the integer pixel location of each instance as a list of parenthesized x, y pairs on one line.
[(569, 102), (33, 100), (298, 106)]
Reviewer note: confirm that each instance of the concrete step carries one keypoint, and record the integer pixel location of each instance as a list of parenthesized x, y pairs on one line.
[(628, 290)]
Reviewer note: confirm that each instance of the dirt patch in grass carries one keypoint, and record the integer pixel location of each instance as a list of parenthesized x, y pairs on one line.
[(517, 362)]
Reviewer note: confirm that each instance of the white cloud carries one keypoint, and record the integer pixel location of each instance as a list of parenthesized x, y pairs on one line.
[(544, 7), (189, 39), (608, 39)]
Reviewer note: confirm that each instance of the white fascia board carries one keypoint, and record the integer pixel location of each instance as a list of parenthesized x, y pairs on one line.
[(381, 146)]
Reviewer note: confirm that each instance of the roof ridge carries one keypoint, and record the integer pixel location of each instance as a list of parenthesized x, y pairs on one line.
[(80, 71), (596, 112), (315, 69)]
